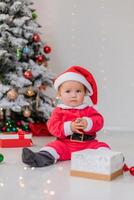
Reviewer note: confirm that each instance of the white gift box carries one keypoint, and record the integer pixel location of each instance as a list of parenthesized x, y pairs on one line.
[(97, 164)]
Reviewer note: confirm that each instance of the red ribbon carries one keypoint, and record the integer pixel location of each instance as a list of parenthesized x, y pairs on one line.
[(21, 134)]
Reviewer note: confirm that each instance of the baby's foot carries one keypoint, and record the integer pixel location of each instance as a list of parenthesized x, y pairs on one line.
[(39, 159)]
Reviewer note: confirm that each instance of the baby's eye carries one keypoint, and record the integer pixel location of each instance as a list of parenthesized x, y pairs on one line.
[(67, 91), (78, 91)]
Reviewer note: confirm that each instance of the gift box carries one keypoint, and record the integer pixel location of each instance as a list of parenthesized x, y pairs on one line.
[(97, 164), (15, 139), (39, 129)]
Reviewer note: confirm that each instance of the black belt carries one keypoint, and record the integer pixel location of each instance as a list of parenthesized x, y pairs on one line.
[(80, 137)]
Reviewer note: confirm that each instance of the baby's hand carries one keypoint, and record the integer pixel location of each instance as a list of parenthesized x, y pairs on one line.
[(79, 125), (76, 127), (83, 123)]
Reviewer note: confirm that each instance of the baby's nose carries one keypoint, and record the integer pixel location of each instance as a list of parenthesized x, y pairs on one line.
[(73, 94)]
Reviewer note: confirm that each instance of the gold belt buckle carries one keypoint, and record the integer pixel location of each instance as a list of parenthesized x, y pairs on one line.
[(81, 138)]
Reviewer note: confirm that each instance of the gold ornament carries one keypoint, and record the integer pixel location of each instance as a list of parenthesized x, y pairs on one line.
[(27, 112), (12, 94), (30, 92)]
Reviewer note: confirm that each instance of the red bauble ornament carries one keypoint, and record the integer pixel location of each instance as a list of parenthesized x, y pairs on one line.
[(28, 74), (3, 129), (36, 37), (131, 170), (47, 49), (125, 168), (19, 123), (40, 58)]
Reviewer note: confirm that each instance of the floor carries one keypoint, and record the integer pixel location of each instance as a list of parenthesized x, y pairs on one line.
[(19, 182)]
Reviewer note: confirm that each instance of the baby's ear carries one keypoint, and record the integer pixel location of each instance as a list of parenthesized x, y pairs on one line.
[(86, 93), (58, 95)]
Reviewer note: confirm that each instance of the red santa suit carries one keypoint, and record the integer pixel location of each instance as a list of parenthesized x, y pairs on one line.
[(59, 126)]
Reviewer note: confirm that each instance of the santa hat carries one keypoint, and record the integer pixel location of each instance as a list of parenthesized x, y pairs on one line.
[(82, 75)]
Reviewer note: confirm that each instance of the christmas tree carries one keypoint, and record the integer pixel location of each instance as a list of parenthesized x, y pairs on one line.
[(24, 75)]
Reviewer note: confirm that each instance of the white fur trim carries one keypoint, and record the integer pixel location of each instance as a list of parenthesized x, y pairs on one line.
[(95, 107), (84, 105), (104, 149), (72, 76), (67, 128), (89, 123), (52, 151)]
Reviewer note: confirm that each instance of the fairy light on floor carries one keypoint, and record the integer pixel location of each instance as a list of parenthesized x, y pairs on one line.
[(49, 193), (21, 182), (20, 178), (52, 192), (48, 181), (1, 184), (22, 185), (25, 168)]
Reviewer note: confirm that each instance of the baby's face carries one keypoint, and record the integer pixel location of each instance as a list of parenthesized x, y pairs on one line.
[(72, 93)]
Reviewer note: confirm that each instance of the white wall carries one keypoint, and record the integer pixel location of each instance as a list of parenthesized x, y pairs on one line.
[(99, 35)]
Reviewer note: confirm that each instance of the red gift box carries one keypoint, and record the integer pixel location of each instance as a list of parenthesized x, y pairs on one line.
[(15, 139), (39, 129)]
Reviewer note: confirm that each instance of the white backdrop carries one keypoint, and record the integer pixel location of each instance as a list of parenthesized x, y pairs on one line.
[(99, 35)]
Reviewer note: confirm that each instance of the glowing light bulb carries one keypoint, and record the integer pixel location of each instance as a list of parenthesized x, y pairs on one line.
[(52, 192), (25, 168), (20, 177), (48, 181), (1, 184), (22, 185)]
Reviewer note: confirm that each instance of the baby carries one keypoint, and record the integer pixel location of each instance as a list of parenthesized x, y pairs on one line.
[(73, 122)]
